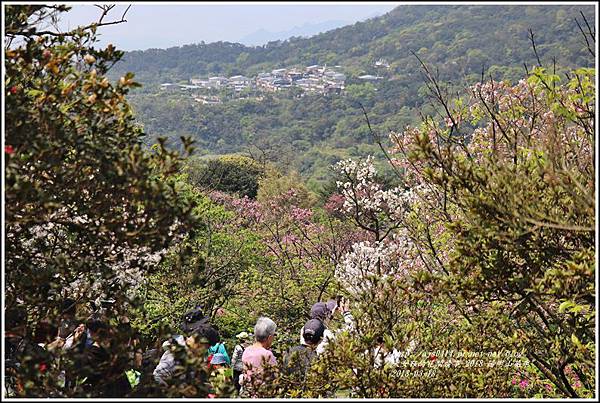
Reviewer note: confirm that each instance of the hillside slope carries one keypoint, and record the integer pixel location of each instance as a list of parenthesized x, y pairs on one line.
[(461, 36), (310, 133)]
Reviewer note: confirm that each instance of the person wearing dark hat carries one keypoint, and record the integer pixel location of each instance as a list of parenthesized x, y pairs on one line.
[(298, 359), (324, 311), (193, 320)]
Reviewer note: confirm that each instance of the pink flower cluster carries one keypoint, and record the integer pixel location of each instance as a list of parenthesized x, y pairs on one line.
[(246, 208), (301, 215), (335, 204)]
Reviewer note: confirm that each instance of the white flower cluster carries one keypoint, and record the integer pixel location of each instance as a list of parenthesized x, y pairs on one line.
[(369, 261), (365, 196), (127, 269), (362, 170), (122, 265)]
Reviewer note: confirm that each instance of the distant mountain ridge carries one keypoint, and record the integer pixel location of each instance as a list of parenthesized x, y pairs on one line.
[(262, 36)]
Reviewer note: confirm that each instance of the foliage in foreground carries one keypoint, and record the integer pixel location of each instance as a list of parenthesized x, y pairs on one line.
[(490, 249), (89, 211)]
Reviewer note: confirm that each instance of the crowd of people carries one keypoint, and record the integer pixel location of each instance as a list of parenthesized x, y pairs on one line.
[(82, 350), (96, 370)]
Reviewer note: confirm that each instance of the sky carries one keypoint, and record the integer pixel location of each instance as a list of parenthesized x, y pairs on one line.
[(151, 25)]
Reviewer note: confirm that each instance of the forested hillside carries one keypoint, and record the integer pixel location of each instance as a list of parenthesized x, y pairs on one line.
[(467, 270), (308, 134)]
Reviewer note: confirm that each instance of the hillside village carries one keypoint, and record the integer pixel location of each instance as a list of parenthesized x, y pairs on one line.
[(316, 79)]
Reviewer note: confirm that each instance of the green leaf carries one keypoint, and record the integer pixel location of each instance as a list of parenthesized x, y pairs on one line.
[(575, 340), (565, 305)]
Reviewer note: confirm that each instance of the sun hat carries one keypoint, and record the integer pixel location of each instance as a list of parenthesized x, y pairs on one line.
[(194, 320), (217, 359), (319, 311)]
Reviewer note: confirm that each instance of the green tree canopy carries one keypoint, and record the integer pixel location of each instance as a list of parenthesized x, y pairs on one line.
[(88, 208)]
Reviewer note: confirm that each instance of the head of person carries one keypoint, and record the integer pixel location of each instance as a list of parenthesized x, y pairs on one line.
[(214, 336), (15, 320), (264, 331), (201, 338), (243, 337), (194, 314), (313, 332), (193, 319), (45, 332), (124, 327), (99, 331), (323, 311)]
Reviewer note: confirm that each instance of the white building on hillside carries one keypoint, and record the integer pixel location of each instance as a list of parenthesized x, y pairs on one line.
[(169, 87), (238, 83), (217, 81), (279, 72), (369, 77), (202, 82), (382, 63)]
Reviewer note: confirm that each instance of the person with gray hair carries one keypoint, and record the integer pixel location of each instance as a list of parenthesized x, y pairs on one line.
[(263, 329), (259, 353)]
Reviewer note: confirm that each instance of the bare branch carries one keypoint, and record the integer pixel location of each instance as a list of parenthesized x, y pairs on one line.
[(532, 39), (74, 32), (126, 10), (590, 32), (441, 96), (560, 226), (105, 9), (590, 48), (378, 141)]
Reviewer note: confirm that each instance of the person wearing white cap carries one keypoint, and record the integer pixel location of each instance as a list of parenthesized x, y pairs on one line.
[(236, 358)]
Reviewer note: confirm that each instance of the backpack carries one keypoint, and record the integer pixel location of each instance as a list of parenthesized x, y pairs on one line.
[(298, 359), (238, 352), (194, 319), (194, 315), (13, 347), (22, 354)]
